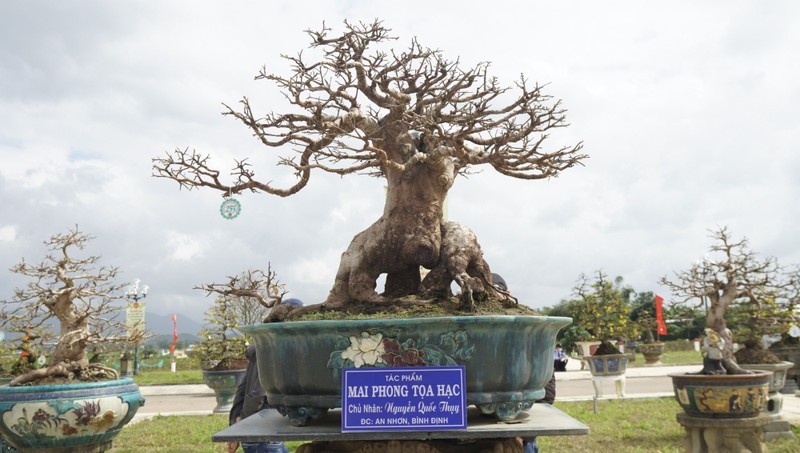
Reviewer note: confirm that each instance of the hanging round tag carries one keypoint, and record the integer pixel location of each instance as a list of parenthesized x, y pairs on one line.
[(230, 208), (794, 331), (41, 360)]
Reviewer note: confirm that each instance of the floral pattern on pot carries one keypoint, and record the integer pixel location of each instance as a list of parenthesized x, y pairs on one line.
[(60, 418), (378, 348)]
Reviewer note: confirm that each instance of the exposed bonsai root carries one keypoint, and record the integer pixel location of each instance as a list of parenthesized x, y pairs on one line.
[(67, 372), (462, 261)]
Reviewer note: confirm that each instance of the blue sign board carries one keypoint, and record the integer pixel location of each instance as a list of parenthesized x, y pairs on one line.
[(405, 399)]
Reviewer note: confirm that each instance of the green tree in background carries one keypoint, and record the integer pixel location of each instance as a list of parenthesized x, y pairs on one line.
[(600, 309), (605, 310)]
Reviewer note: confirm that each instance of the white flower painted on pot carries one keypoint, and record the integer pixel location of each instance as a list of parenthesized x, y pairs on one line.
[(365, 350)]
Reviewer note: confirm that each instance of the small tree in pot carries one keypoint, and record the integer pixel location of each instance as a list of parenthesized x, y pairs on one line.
[(737, 277), (771, 314), (81, 296), (245, 299), (604, 310), (60, 405)]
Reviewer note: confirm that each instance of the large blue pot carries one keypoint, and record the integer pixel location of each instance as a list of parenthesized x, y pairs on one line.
[(67, 415), (508, 359)]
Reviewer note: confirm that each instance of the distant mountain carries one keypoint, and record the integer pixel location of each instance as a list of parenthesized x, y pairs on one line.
[(162, 324)]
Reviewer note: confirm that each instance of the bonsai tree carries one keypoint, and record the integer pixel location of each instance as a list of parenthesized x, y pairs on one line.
[(78, 294), (647, 325), (735, 276), (411, 117), (245, 299), (643, 315), (604, 310), (774, 315)]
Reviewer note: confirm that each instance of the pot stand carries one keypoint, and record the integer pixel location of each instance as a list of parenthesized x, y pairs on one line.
[(724, 434), (619, 384)]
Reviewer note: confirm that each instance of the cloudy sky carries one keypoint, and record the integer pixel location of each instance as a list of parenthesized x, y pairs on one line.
[(690, 112)]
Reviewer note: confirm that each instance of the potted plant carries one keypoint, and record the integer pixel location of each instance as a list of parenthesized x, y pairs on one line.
[(69, 401), (585, 344), (734, 276), (604, 312), (245, 299), (418, 121), (788, 349), (753, 323), (650, 348)]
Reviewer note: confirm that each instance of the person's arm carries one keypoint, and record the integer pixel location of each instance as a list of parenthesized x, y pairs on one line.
[(238, 403), (236, 411)]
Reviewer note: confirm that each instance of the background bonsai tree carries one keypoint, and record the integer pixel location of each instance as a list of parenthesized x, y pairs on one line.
[(30, 343), (751, 322), (734, 276), (604, 310), (81, 296), (411, 117), (245, 299), (647, 325)]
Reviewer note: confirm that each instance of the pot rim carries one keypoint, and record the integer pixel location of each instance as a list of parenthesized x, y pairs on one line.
[(735, 377), (62, 387), (560, 321)]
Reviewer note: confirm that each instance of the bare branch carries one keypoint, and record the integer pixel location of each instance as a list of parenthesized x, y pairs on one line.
[(356, 106)]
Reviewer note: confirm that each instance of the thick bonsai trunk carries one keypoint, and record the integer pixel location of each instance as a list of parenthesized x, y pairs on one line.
[(411, 234), (715, 320), (68, 362)]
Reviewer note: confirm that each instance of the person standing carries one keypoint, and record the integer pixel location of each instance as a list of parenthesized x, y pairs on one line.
[(250, 398)]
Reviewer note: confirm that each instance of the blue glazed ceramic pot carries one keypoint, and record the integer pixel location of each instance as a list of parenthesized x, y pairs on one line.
[(508, 359), (224, 384), (608, 364), (67, 415), (722, 395)]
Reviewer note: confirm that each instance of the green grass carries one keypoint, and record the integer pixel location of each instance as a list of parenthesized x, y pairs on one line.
[(672, 358), (175, 434), (166, 377), (621, 426), (642, 425)]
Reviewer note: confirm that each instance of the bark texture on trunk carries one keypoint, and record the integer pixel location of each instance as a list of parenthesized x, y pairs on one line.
[(410, 235)]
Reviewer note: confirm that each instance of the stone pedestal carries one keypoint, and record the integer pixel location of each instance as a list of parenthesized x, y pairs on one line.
[(618, 380), (790, 388), (734, 435)]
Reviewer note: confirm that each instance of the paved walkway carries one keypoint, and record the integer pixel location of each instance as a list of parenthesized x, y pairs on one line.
[(572, 385)]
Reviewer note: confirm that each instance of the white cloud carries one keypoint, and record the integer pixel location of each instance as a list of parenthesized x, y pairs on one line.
[(183, 247), (8, 233), (686, 109)]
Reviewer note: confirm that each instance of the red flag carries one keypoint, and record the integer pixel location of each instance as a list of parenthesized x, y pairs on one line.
[(661, 327), (174, 333)]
